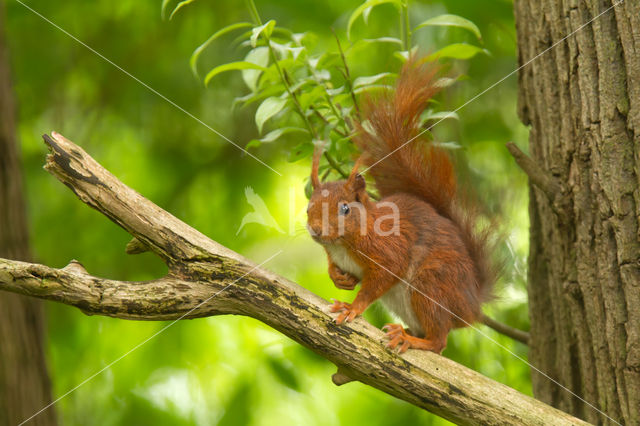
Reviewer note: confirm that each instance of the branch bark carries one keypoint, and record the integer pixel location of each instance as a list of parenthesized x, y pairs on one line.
[(200, 268)]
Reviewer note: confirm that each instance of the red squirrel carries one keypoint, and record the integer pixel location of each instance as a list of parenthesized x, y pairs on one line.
[(417, 249)]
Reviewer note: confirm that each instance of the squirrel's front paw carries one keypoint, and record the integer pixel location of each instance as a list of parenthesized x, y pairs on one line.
[(347, 311), (341, 279), (345, 281)]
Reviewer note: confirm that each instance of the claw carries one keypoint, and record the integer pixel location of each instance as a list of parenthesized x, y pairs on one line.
[(401, 339), (393, 330), (394, 342), (339, 306), (347, 313)]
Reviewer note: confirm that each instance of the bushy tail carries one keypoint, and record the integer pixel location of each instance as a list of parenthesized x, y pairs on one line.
[(401, 160)]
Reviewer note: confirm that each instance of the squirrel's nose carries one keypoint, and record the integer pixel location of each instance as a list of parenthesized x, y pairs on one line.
[(314, 228)]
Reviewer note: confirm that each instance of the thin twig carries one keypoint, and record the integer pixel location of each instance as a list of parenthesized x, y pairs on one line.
[(347, 76), (514, 333), (334, 164), (323, 118)]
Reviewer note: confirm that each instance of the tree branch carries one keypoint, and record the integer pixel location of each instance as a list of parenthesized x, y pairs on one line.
[(514, 333), (537, 175), (200, 268)]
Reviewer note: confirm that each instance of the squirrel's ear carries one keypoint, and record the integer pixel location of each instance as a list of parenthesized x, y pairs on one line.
[(315, 164), (355, 180), (358, 183), (359, 188)]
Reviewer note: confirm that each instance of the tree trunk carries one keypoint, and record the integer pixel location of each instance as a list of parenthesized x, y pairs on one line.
[(24, 381), (582, 101)]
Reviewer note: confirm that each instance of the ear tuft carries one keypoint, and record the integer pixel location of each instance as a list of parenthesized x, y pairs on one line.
[(315, 165), (359, 183)]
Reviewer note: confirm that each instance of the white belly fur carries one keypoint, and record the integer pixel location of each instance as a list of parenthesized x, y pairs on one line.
[(397, 299), (340, 256)]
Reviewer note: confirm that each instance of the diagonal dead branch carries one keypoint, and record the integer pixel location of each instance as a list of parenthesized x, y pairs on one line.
[(200, 267), (537, 175)]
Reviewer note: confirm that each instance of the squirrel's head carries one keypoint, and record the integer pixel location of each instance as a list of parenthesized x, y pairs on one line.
[(337, 210)]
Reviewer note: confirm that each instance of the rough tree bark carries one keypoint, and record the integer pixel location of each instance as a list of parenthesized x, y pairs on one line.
[(206, 279), (582, 101), (24, 380)]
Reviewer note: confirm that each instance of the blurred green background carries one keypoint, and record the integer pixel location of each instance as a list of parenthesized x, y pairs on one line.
[(230, 370)]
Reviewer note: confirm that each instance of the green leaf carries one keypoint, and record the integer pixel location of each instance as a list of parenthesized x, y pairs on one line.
[(451, 21), (301, 83), (180, 6), (336, 91), (444, 82), (298, 38), (342, 148), (233, 66), (392, 40), (295, 51), (272, 90), (436, 117), (310, 97), (163, 9), (447, 145), (272, 76), (366, 81), (366, 125), (362, 9), (284, 49), (235, 410), (267, 109), (365, 15), (372, 87), (193, 62), (403, 55), (273, 135), (285, 32), (457, 51), (383, 40), (441, 115), (258, 56), (242, 40), (285, 372), (326, 60), (322, 75), (300, 151), (267, 28), (342, 98), (308, 189)]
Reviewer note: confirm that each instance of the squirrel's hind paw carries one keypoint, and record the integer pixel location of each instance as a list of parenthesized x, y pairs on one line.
[(398, 336)]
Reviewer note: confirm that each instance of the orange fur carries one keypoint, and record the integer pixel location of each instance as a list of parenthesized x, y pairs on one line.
[(437, 251), (315, 165)]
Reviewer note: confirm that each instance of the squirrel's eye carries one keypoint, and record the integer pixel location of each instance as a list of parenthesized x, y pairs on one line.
[(343, 209)]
